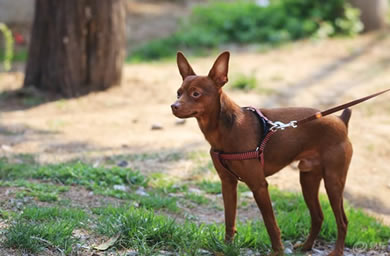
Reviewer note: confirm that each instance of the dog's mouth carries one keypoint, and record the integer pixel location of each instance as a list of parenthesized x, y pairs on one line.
[(184, 115)]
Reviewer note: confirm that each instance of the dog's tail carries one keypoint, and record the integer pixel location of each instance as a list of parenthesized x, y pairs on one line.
[(345, 116)]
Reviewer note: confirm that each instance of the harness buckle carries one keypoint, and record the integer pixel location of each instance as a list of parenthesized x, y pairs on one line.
[(281, 126)]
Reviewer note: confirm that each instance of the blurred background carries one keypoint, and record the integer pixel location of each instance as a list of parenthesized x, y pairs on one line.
[(93, 81)]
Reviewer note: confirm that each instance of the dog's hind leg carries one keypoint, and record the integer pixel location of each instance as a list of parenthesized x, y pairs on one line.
[(334, 178), (310, 183)]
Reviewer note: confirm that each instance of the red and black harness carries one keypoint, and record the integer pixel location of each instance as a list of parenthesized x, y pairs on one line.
[(269, 128), (256, 154)]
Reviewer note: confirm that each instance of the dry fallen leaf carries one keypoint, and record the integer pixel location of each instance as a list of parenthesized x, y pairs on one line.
[(104, 246)]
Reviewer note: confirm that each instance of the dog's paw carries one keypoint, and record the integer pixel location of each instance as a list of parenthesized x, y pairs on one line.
[(303, 246), (336, 253), (278, 253)]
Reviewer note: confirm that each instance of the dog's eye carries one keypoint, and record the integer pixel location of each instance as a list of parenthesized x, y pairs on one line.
[(178, 94), (195, 94)]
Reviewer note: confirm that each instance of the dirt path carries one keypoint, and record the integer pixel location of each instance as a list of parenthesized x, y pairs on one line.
[(314, 74)]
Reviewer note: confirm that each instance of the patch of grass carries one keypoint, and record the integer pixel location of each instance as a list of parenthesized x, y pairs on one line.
[(140, 229), (44, 192), (10, 171), (42, 214), (5, 214), (215, 187), (168, 156), (100, 180), (165, 184), (202, 162), (294, 219), (244, 82), (248, 83), (33, 237), (94, 178), (44, 227), (158, 201), (139, 226), (211, 187), (199, 199), (245, 22)]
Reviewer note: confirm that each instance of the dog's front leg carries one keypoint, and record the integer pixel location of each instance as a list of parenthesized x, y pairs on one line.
[(229, 193), (259, 187)]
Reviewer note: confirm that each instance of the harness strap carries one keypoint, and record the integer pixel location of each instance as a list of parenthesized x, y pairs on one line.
[(217, 158), (262, 146), (256, 154)]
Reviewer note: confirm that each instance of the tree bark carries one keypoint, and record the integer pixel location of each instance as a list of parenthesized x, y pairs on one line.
[(77, 46), (373, 13)]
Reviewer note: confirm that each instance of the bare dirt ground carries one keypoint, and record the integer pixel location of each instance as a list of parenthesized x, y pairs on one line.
[(118, 122)]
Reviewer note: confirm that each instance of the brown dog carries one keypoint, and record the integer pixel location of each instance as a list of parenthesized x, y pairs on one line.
[(321, 146)]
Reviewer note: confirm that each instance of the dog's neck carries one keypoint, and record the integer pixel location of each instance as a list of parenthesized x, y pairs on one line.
[(219, 121)]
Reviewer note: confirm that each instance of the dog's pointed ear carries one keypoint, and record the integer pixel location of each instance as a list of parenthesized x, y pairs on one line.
[(219, 71), (185, 68)]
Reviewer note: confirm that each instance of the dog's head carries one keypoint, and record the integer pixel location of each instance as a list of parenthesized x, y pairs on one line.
[(198, 94)]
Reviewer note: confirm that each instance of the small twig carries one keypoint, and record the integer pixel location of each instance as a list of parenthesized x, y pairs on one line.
[(49, 243)]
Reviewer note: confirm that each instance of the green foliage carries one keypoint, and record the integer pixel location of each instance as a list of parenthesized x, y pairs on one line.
[(294, 219), (4, 214), (44, 192), (35, 213), (9, 46), (91, 177), (139, 226), (211, 187), (10, 171), (214, 187), (199, 199), (165, 184), (244, 82), (245, 22), (41, 227), (158, 201), (143, 230)]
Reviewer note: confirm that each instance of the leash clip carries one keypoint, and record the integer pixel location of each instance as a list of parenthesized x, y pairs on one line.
[(281, 126)]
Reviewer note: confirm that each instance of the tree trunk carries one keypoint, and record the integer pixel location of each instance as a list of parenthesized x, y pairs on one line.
[(77, 46), (373, 13)]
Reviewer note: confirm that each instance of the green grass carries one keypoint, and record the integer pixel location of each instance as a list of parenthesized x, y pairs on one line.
[(214, 187), (168, 156), (44, 227), (140, 226), (11, 171), (45, 192), (147, 232), (219, 23), (100, 180), (249, 83), (244, 82), (165, 184), (5, 214), (198, 199), (91, 177)]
